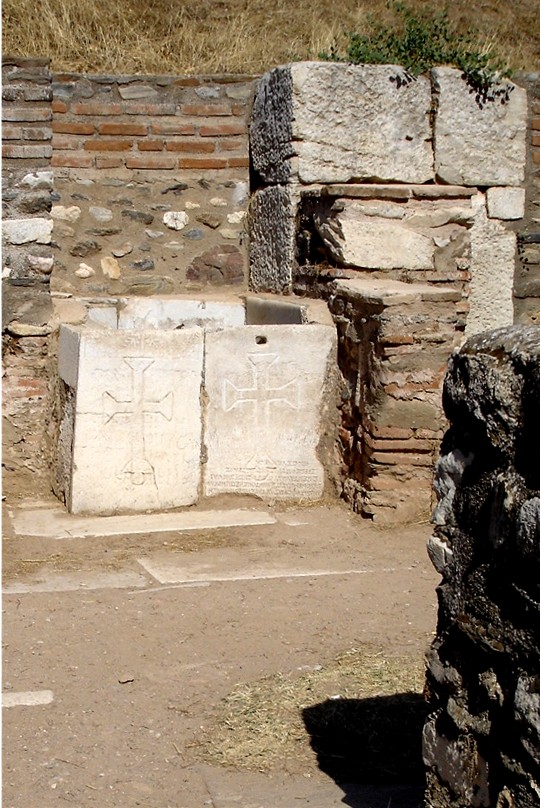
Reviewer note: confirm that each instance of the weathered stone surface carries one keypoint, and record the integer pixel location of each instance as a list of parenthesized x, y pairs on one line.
[(272, 239), (84, 248), (180, 313), (482, 739), (66, 214), (175, 219), (26, 231), (220, 265), (264, 411), (84, 271), (328, 122), (137, 394), (505, 203), (111, 268), (493, 256), (38, 180), (478, 144), (40, 263), (374, 235), (100, 214)]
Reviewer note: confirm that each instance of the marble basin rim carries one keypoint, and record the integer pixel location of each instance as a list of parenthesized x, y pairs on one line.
[(165, 401)]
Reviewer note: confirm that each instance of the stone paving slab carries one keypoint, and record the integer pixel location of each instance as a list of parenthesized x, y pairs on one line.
[(56, 523)]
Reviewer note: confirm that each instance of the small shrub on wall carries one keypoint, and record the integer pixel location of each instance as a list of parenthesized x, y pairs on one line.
[(421, 40)]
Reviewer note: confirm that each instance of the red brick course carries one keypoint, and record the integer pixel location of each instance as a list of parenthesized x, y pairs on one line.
[(192, 146), (74, 128), (108, 145), (136, 129)]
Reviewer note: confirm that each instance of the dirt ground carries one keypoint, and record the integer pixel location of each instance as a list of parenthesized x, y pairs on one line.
[(203, 668)]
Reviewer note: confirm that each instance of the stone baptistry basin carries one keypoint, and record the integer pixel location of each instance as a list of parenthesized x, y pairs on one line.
[(165, 401)]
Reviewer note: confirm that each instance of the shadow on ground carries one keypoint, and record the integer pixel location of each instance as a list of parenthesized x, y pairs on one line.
[(371, 748)]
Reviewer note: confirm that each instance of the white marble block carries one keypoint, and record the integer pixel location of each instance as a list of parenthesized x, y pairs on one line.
[(478, 144), (336, 122), (265, 391), (137, 418)]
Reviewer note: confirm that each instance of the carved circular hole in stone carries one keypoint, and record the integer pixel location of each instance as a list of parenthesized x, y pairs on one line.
[(261, 340)]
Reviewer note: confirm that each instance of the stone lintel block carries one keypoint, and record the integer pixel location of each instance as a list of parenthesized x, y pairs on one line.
[(367, 124), (477, 144), (137, 395), (399, 193), (391, 293), (264, 411), (505, 203)]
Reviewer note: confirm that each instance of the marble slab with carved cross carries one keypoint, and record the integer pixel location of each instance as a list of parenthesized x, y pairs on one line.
[(136, 419), (264, 391)]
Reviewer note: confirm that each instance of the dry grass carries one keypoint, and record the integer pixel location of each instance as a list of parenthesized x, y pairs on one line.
[(355, 708), (237, 36)]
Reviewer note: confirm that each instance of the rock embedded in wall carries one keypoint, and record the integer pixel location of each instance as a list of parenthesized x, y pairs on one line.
[(331, 122), (478, 144)]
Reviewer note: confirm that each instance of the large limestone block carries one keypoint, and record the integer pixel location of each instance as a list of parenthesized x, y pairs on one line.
[(379, 234), (329, 122), (492, 267), (137, 421), (265, 386), (478, 145)]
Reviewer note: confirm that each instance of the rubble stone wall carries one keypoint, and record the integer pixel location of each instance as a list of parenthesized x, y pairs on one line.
[(151, 177), (482, 739), (527, 278), (27, 187)]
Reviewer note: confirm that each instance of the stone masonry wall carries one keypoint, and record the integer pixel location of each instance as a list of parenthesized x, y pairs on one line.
[(111, 186), (398, 202), (527, 279), (482, 738), (27, 186), (151, 182)]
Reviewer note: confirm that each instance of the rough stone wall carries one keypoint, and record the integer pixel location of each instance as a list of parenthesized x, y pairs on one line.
[(527, 279), (394, 340), (151, 183), (27, 186), (482, 739)]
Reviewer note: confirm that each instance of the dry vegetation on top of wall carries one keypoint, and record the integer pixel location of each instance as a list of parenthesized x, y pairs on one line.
[(236, 36)]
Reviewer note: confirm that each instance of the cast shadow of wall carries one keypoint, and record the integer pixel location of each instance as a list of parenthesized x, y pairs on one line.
[(371, 747)]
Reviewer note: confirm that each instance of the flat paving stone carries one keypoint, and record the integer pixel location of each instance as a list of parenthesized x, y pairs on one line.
[(72, 582), (56, 523)]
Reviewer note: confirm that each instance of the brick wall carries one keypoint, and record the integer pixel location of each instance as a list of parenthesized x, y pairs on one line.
[(151, 182), (527, 280), (111, 185), (150, 123)]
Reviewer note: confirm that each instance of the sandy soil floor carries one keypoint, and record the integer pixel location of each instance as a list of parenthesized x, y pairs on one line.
[(135, 640)]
